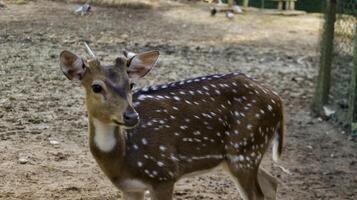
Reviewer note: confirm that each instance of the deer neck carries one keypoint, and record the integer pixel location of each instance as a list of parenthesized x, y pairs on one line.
[(107, 144)]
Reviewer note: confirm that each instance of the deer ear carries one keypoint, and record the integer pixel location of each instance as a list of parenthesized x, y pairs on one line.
[(72, 65), (142, 63)]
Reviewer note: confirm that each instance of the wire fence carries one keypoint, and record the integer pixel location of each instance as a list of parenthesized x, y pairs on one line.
[(345, 26), (342, 58)]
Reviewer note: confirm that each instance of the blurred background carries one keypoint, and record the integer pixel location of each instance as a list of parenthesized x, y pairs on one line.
[(305, 50)]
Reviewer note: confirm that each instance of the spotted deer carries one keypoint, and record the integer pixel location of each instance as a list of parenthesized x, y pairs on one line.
[(147, 139)]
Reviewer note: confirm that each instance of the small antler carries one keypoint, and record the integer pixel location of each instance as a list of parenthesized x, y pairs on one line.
[(89, 50), (128, 54)]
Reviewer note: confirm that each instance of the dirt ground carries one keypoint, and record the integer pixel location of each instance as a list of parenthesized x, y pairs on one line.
[(43, 129)]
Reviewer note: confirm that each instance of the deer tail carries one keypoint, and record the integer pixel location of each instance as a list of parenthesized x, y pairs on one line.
[(278, 139)]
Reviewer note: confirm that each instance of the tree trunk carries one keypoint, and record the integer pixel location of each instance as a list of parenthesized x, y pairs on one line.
[(323, 79), (352, 111)]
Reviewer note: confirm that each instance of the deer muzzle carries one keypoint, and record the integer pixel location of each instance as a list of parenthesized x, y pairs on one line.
[(130, 118)]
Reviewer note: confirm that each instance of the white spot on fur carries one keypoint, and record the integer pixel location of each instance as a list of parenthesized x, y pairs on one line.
[(162, 148), (140, 164), (160, 164)]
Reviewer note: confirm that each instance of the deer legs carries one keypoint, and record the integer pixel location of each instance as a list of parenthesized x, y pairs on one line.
[(133, 195), (252, 186), (255, 186), (162, 192), (268, 184), (247, 182)]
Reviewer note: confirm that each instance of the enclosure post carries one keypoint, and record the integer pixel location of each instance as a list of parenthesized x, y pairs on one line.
[(292, 5), (323, 79), (231, 3), (245, 3), (287, 4), (280, 5), (352, 111)]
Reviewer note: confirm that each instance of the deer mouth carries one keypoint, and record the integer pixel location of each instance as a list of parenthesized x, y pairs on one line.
[(126, 125), (118, 123)]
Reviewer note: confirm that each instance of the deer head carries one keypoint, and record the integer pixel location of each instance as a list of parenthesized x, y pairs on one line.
[(108, 87)]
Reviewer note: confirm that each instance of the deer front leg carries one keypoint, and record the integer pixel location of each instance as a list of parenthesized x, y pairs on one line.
[(133, 195), (162, 192), (268, 184)]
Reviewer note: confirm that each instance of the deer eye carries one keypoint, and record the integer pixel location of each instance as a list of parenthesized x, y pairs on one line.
[(97, 88), (132, 85)]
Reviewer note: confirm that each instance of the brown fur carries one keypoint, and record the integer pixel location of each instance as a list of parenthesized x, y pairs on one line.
[(185, 127)]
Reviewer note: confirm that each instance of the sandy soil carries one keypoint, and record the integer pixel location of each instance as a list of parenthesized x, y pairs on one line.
[(43, 141)]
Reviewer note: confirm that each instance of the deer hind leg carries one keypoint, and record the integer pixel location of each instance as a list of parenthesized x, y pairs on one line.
[(162, 192), (268, 184), (246, 180), (133, 195)]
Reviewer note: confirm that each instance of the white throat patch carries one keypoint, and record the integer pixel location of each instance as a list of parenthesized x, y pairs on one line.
[(104, 137)]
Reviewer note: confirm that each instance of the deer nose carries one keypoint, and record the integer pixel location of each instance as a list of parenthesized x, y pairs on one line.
[(131, 118)]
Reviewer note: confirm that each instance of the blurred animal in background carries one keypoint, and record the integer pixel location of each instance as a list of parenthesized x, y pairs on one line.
[(212, 1), (229, 8), (2, 4), (230, 15), (83, 10), (213, 11), (236, 9)]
